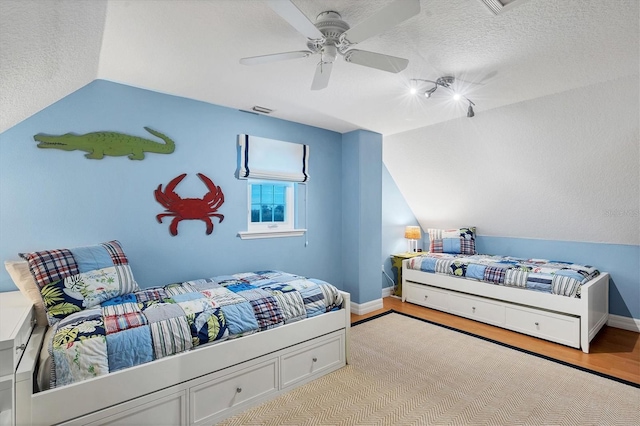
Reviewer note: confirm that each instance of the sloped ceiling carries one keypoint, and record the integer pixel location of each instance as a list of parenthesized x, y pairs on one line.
[(192, 48), (48, 49)]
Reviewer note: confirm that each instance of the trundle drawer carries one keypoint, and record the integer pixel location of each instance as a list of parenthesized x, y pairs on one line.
[(313, 360), (169, 410), (477, 309), (165, 407), (559, 328), (214, 397), (426, 296)]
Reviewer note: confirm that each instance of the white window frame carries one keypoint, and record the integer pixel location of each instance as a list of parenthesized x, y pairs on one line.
[(273, 229)]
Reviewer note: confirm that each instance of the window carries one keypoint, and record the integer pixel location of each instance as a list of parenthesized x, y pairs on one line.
[(276, 202), (271, 205)]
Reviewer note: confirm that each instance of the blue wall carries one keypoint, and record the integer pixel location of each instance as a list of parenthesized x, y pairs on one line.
[(396, 215), (362, 214), (53, 199)]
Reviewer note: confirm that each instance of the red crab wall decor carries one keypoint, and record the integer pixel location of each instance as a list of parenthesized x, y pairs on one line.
[(189, 208)]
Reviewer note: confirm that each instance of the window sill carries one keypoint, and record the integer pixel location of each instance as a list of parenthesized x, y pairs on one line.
[(252, 235)]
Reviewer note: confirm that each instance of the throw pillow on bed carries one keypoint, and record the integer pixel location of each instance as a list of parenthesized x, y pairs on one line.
[(455, 241), (21, 276), (71, 280)]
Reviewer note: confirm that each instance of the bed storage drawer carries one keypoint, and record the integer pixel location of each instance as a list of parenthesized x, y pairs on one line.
[(559, 328), (476, 308), (313, 360), (426, 296), (168, 407), (214, 398), (167, 410)]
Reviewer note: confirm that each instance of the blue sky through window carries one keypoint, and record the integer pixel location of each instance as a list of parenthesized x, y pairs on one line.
[(268, 203)]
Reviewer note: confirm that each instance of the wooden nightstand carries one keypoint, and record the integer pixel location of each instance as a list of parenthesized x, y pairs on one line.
[(16, 322), (396, 262)]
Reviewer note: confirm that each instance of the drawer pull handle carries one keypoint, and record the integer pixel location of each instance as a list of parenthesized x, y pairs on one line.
[(474, 309), (238, 390), (22, 347), (426, 297), (314, 359), (537, 324)]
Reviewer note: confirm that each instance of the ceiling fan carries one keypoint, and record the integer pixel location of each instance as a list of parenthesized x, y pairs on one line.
[(330, 36)]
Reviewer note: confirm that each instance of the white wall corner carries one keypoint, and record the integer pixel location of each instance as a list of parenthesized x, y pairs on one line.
[(625, 323), (365, 308)]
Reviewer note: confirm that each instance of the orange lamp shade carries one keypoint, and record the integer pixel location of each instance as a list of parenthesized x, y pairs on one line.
[(412, 233)]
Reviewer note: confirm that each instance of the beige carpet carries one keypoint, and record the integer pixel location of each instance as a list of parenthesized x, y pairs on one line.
[(405, 371)]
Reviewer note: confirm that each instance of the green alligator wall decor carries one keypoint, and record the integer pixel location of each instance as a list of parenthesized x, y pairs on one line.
[(99, 144)]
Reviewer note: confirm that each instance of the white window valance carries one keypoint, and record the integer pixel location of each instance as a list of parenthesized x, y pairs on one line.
[(261, 158)]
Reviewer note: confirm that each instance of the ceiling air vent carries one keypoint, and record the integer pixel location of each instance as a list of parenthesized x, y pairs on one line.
[(499, 6), (262, 110)]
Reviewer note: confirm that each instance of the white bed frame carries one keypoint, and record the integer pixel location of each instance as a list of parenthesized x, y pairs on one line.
[(202, 386), (570, 321)]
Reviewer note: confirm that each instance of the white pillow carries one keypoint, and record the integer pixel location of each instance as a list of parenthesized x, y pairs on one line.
[(21, 275)]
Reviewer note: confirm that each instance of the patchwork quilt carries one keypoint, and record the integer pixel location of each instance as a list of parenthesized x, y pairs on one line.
[(152, 323), (546, 276)]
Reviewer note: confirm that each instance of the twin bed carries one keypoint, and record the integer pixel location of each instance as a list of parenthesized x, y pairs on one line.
[(562, 302), (186, 353)]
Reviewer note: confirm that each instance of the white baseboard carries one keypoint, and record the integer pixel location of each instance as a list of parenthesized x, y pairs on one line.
[(387, 291), (625, 323), (365, 308)]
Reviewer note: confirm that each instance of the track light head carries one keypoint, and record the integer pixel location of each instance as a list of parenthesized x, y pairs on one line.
[(429, 92), (470, 112)]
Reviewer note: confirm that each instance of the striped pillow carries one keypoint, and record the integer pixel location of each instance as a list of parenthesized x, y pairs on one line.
[(455, 241), (71, 280)]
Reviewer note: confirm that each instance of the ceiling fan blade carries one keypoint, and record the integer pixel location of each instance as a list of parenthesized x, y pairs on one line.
[(321, 78), (376, 60), (257, 60), (387, 17), (290, 13)]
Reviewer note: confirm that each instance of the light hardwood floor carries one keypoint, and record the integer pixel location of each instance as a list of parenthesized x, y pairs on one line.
[(614, 351)]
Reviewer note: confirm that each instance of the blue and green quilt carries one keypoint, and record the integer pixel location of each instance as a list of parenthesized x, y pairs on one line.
[(546, 276), (153, 323)]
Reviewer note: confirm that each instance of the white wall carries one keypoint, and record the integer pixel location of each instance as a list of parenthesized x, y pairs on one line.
[(561, 167)]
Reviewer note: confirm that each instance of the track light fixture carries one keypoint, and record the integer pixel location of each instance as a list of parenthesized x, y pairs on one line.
[(470, 112), (445, 82)]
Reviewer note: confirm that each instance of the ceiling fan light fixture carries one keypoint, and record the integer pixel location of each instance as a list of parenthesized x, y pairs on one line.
[(330, 36)]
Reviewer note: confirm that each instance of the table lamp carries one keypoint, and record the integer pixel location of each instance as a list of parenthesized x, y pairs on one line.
[(412, 234)]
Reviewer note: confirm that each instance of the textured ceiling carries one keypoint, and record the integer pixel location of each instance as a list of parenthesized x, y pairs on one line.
[(48, 49), (192, 48)]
